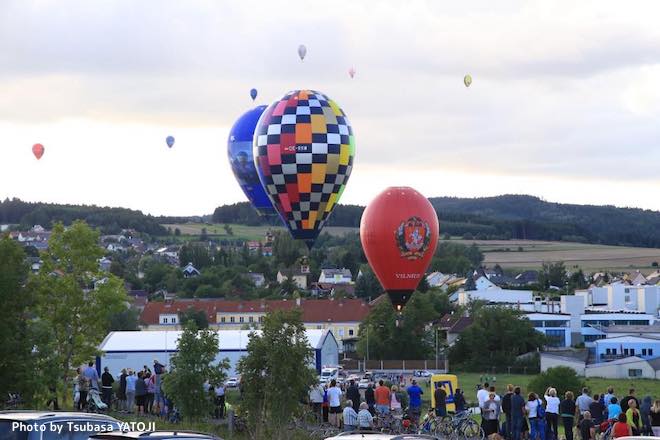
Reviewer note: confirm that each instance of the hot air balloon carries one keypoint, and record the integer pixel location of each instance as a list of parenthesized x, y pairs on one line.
[(239, 151), (302, 51), (351, 72), (253, 94), (467, 80), (38, 150), (303, 150), (170, 141), (399, 234)]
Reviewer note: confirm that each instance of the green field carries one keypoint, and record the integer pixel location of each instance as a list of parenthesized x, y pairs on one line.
[(242, 232), (590, 257)]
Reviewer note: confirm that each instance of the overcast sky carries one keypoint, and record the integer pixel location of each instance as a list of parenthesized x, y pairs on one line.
[(564, 104)]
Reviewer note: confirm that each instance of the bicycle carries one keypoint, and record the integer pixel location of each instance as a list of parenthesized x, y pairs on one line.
[(462, 425)]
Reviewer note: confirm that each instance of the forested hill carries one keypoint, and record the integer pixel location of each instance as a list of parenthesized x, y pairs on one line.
[(511, 216), (109, 220)]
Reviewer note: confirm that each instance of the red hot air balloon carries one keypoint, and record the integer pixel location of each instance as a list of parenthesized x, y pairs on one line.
[(399, 233), (38, 150)]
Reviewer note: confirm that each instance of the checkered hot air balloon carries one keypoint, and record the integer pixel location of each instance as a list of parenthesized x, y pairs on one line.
[(303, 151)]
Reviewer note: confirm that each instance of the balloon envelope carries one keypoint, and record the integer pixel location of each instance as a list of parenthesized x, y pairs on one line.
[(38, 150), (253, 94), (239, 152), (303, 150), (170, 141), (399, 234), (302, 51), (467, 80)]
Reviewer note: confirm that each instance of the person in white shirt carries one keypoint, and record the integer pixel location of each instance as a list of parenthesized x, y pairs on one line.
[(334, 402), (316, 393), (365, 419), (551, 413), (535, 425), (482, 395)]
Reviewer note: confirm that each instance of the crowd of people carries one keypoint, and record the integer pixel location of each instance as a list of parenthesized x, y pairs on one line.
[(517, 417), (380, 399)]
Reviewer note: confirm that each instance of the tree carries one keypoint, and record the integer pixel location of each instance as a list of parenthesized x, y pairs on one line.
[(16, 368), (553, 274), (198, 255), (367, 286), (562, 378), (177, 232), (125, 320), (191, 366), (75, 300), (496, 337), (276, 374), (577, 280), (203, 236), (287, 250), (228, 229), (197, 316)]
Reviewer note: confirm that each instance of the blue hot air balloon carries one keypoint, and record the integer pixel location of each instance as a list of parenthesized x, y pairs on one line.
[(239, 151), (253, 94), (170, 141)]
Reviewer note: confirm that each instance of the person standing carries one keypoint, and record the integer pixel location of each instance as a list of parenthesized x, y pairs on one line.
[(645, 411), (316, 400), (370, 398), (491, 414), (587, 427), (334, 402), (608, 396), (482, 394), (567, 409), (655, 418), (532, 409), (382, 395), (353, 393), (506, 409), (440, 397), (624, 402), (459, 400), (597, 410), (92, 376), (350, 416), (121, 392), (634, 417), (149, 398), (106, 385), (583, 401), (365, 419), (131, 382), (621, 428), (415, 398), (83, 385), (219, 401), (614, 409), (551, 414), (517, 413), (140, 392)]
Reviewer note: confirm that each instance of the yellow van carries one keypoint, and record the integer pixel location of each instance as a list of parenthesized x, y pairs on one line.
[(447, 381)]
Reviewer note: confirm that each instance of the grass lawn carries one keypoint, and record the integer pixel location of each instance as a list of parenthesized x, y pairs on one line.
[(241, 232)]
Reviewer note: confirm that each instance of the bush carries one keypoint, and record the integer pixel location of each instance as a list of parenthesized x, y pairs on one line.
[(562, 378)]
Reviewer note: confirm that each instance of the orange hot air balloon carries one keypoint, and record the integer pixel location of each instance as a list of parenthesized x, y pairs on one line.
[(38, 150), (399, 233)]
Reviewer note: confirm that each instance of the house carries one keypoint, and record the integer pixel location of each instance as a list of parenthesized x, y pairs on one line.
[(632, 367), (336, 276), (189, 271), (442, 281), (632, 330), (115, 247), (104, 264), (635, 279), (555, 326), (575, 359), (298, 276), (452, 325), (258, 279), (527, 277), (618, 347), (127, 349), (343, 317), (169, 254), (483, 283)]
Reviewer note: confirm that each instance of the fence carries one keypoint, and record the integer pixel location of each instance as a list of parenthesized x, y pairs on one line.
[(396, 365)]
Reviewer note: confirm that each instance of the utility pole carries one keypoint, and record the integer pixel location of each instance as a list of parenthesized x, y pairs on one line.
[(436, 349)]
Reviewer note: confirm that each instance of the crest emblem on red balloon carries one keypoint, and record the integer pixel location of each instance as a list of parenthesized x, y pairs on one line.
[(413, 237)]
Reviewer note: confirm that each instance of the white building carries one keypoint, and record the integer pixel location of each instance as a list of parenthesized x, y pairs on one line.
[(336, 276), (555, 326), (619, 296), (495, 296), (575, 359), (139, 348), (627, 368)]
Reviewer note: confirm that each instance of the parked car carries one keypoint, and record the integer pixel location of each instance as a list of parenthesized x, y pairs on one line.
[(30, 425), (422, 373), (232, 382), (155, 435), (363, 384)]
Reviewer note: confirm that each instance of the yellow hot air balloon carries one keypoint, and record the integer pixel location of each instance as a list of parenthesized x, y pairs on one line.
[(467, 80)]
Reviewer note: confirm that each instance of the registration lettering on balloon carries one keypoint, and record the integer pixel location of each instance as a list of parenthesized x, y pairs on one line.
[(413, 237)]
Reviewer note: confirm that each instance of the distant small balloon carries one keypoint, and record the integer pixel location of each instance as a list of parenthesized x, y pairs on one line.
[(467, 80), (253, 94), (351, 72), (38, 150), (170, 141), (302, 51)]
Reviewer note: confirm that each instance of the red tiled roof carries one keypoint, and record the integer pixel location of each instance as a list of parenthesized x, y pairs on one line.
[(313, 310)]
